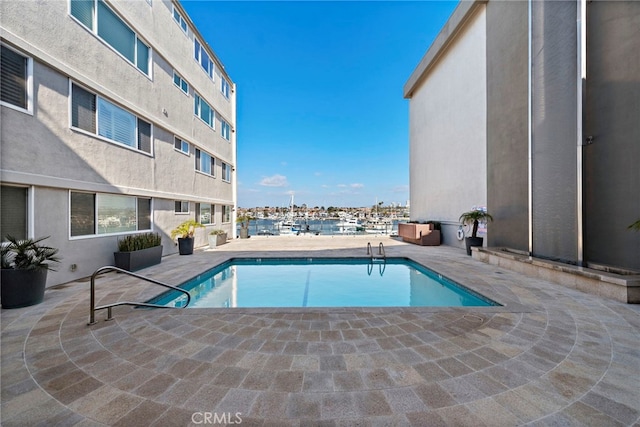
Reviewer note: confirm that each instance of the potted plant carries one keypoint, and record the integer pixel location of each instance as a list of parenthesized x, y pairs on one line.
[(244, 225), (138, 251), (184, 232), (474, 217), (217, 237), (25, 264)]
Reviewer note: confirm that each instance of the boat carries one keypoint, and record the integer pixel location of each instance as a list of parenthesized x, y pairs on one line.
[(350, 225), (288, 224), (377, 225)]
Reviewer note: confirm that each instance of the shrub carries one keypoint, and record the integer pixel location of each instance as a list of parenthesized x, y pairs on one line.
[(136, 242), (27, 254), (217, 232)]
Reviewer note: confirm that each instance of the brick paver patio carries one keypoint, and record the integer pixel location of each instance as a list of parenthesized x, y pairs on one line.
[(549, 356)]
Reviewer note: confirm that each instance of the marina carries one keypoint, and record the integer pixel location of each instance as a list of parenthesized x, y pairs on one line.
[(330, 227)]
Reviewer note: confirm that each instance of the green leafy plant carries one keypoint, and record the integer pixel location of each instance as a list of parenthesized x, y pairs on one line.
[(635, 226), (27, 254), (244, 220), (186, 229), (217, 232), (137, 242), (474, 217)]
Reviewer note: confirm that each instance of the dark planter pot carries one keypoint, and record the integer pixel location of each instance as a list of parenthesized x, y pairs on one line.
[(22, 288), (244, 233), (472, 241), (185, 245), (132, 261)]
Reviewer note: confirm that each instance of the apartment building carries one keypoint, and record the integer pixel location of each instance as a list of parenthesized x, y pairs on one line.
[(117, 118), (531, 109)]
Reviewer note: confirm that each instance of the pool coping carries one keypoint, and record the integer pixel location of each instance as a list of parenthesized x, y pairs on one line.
[(505, 304)]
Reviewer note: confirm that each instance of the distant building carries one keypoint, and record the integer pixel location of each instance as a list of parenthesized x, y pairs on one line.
[(531, 109), (117, 118)]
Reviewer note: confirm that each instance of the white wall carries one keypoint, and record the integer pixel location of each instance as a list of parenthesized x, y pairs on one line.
[(447, 129)]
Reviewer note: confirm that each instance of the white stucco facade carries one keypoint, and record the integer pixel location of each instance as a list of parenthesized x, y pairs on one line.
[(48, 156), (447, 127)]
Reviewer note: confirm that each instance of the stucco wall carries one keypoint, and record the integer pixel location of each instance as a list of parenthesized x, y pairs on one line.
[(507, 124), (611, 172), (447, 131)]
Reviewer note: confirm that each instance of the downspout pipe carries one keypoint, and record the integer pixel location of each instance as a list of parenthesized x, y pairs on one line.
[(580, 139), (530, 125)]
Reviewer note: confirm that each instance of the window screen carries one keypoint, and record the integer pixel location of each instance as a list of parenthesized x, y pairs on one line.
[(144, 136), (13, 212), (144, 214), (83, 11), (83, 109), (83, 214), (13, 84)]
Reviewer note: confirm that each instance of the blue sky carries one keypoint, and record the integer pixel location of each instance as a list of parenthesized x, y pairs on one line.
[(319, 102)]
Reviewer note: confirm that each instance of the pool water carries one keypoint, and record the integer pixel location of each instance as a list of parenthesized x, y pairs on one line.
[(396, 282)]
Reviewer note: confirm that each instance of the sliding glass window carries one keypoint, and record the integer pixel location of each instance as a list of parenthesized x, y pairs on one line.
[(100, 213), (101, 20), (96, 115)]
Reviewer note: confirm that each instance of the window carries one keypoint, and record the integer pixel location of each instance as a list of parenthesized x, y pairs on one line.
[(100, 213), (179, 19), (15, 79), (200, 54), (180, 82), (225, 130), (204, 213), (181, 145), (106, 24), (96, 115), (13, 212), (226, 172), (203, 110), (226, 213), (182, 207), (205, 163), (224, 87)]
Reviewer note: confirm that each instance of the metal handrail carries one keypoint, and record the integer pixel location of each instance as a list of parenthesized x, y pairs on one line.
[(93, 308), (381, 253), (381, 250)]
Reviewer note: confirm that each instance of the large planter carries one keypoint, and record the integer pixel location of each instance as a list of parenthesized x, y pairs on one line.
[(217, 240), (22, 288), (132, 261), (185, 245), (472, 241), (244, 233)]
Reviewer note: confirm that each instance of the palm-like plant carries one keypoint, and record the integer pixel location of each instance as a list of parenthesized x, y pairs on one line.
[(244, 220), (474, 217), (635, 226), (27, 254), (186, 229)]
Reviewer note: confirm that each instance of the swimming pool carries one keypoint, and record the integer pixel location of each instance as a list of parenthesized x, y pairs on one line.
[(322, 282)]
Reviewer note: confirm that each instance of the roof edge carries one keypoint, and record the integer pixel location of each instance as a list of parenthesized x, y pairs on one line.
[(447, 34)]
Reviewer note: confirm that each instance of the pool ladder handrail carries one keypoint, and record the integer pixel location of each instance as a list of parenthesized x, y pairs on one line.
[(101, 270), (381, 254)]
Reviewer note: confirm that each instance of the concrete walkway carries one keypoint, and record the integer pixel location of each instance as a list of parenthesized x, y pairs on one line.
[(549, 356)]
